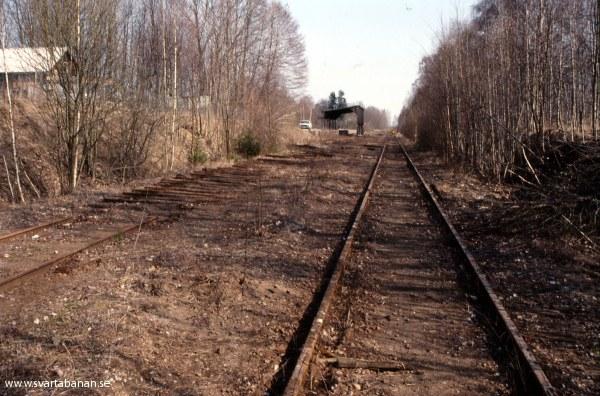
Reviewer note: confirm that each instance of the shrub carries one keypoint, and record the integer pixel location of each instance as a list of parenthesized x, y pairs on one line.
[(248, 146), (198, 156)]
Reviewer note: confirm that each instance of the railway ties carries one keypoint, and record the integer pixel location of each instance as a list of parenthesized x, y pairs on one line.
[(182, 192), (399, 320)]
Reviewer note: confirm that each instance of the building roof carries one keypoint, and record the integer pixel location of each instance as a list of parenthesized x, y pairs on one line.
[(30, 60), (332, 114)]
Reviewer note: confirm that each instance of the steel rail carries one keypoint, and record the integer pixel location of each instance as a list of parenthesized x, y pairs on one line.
[(27, 230), (12, 281), (531, 379), (295, 383)]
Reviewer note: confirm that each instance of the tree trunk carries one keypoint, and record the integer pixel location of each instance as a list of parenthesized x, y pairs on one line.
[(174, 120), (13, 138), (573, 79), (595, 85)]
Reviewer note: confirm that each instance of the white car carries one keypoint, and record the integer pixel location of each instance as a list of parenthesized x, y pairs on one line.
[(305, 124)]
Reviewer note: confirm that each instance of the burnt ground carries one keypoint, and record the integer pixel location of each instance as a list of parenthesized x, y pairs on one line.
[(548, 281), (203, 304), (400, 301)]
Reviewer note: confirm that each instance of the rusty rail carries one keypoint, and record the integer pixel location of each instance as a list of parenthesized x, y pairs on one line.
[(530, 378), (13, 281), (27, 230), (295, 383)]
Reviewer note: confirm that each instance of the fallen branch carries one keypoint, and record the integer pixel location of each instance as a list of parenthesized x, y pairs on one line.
[(583, 234), (343, 362), (521, 178), (531, 167), (33, 187)]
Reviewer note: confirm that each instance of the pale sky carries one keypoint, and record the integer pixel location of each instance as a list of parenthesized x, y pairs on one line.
[(370, 48)]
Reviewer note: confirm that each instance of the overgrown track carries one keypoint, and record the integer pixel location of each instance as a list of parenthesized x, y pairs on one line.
[(172, 196), (164, 200), (168, 199), (526, 376), (531, 378)]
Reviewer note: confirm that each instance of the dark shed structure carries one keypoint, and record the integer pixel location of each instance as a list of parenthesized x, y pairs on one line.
[(332, 115)]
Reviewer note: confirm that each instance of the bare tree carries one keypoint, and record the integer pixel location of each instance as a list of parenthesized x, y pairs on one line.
[(201, 73), (79, 95), (518, 72), (13, 138)]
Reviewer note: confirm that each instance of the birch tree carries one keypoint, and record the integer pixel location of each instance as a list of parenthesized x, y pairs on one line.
[(13, 138)]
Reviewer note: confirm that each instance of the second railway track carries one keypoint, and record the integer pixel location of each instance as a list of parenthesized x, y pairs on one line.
[(25, 257)]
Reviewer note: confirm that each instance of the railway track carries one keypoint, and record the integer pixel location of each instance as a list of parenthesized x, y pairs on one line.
[(373, 304)]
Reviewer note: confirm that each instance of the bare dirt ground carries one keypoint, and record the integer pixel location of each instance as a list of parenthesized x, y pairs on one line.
[(549, 283), (400, 302), (204, 305)]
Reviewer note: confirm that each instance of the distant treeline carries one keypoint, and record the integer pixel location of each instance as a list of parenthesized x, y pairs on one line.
[(501, 83)]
